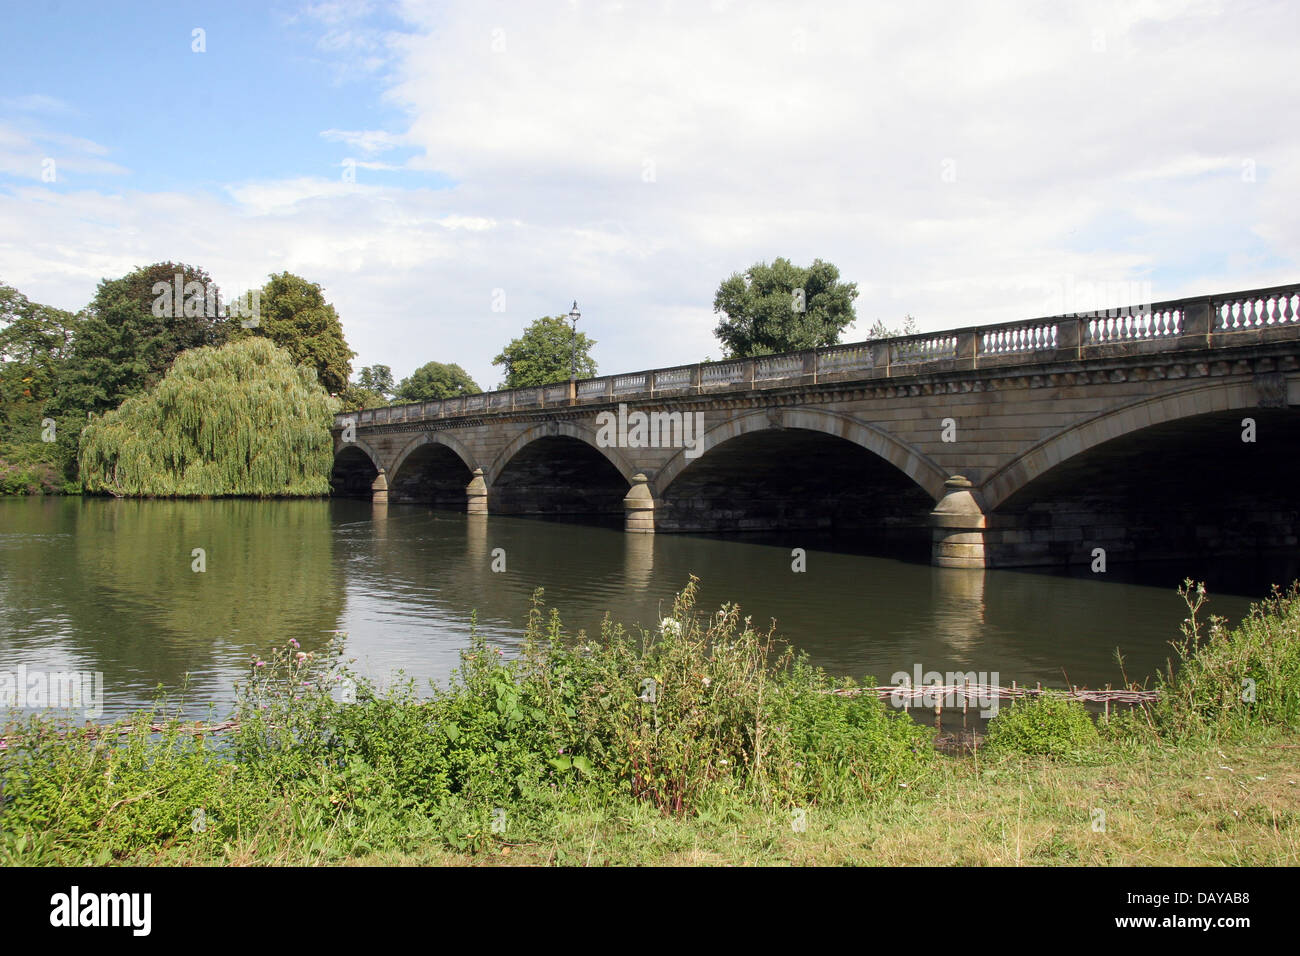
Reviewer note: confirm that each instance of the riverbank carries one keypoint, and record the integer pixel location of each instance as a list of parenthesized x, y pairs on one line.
[(1237, 805), (702, 744)]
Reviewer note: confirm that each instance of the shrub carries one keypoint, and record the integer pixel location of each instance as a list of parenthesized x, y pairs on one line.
[(28, 478), (1231, 681), (1049, 725), (708, 702)]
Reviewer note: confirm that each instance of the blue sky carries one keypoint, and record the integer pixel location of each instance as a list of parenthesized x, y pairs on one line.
[(961, 163), (253, 104)]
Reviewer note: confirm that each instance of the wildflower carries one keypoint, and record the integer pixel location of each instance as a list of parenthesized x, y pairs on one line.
[(260, 664), (707, 681), (301, 656), (294, 642), (669, 626)]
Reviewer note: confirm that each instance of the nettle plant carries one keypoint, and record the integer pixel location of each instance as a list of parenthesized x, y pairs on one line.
[(709, 707)]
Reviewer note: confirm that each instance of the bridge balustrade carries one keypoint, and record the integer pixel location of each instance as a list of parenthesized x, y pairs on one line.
[(859, 357), (1252, 310), (1028, 337), (1197, 322)]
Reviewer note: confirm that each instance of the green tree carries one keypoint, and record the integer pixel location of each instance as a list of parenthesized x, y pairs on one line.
[(436, 380), (376, 378), (35, 341), (372, 389), (133, 330), (243, 419), (295, 316), (542, 354), (354, 398), (879, 330), (782, 307)]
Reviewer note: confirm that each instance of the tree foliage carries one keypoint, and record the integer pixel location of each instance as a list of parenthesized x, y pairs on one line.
[(879, 330), (543, 353), (373, 389), (436, 380), (122, 347), (35, 341), (239, 420), (296, 317), (376, 378), (782, 308)]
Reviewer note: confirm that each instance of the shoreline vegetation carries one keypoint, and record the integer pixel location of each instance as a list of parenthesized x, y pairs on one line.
[(708, 742)]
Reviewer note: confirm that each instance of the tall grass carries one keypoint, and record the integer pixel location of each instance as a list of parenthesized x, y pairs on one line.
[(1225, 681)]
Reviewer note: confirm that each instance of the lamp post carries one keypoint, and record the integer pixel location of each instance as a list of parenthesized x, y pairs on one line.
[(574, 315)]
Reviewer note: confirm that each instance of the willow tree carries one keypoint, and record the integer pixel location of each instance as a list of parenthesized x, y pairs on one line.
[(242, 419)]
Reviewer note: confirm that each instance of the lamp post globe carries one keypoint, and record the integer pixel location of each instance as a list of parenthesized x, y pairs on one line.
[(574, 315)]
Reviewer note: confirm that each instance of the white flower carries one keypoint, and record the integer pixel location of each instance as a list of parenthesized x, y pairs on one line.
[(707, 681), (669, 626)]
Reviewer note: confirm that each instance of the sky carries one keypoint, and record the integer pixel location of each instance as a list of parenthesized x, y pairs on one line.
[(449, 172)]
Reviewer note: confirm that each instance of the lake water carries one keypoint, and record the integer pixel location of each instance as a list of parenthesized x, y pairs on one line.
[(109, 586)]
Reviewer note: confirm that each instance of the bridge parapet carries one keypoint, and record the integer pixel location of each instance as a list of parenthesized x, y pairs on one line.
[(1217, 321)]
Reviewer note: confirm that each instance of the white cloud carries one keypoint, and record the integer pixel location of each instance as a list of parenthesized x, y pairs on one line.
[(633, 156), (27, 153), (367, 141), (37, 103)]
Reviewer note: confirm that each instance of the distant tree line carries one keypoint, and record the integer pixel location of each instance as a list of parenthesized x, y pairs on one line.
[(100, 398)]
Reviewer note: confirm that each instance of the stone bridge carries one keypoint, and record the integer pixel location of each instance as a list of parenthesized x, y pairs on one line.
[(1154, 431)]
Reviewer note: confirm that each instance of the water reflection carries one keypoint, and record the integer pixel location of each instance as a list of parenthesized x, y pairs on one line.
[(638, 560), (107, 585), (150, 591)]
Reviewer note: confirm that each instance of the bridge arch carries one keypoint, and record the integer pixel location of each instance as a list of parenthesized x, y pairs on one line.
[(923, 471), (1083, 436), (356, 465), (557, 430), (559, 470), (432, 438), (375, 458), (433, 468)]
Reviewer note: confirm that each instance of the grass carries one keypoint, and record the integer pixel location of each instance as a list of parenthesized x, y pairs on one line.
[(1161, 810), (1164, 805)]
